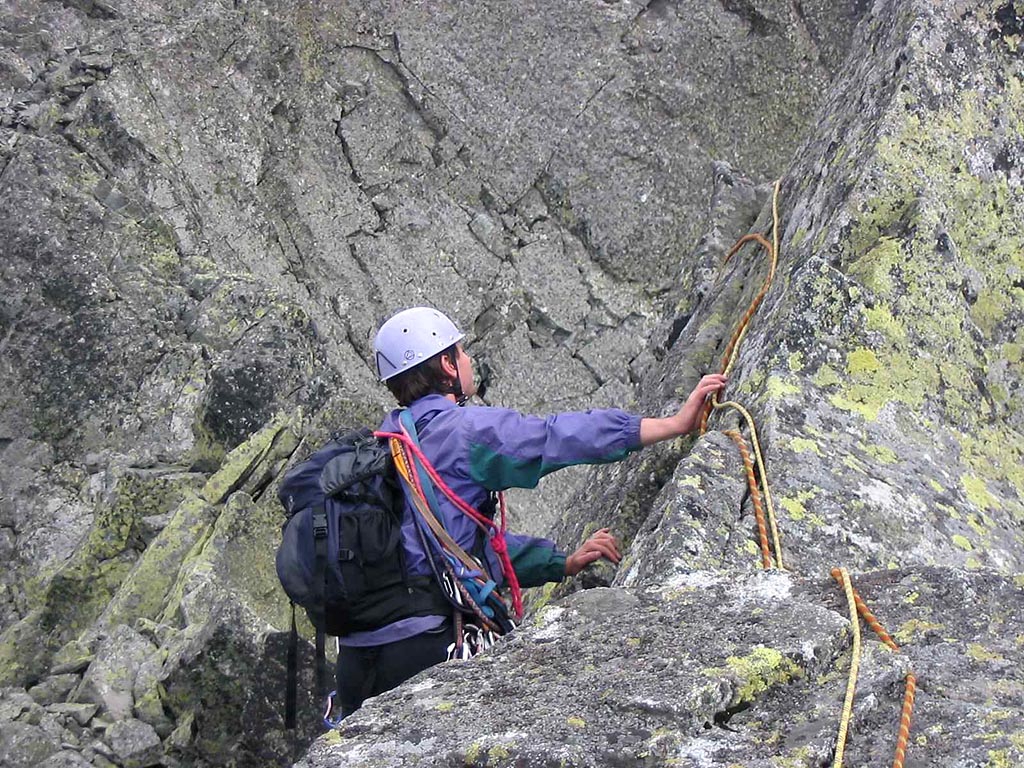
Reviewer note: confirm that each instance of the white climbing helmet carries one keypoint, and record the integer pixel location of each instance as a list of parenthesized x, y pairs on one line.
[(410, 338)]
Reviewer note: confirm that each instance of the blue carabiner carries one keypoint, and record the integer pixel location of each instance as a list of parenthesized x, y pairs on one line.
[(330, 721)]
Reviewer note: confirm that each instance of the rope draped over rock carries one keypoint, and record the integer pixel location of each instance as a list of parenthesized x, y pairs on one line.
[(728, 360), (856, 604)]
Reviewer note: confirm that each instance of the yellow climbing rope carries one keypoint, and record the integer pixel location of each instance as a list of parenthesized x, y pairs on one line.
[(843, 578), (855, 600), (729, 359)]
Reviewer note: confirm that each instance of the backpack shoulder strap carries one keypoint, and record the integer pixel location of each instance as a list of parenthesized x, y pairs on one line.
[(319, 586)]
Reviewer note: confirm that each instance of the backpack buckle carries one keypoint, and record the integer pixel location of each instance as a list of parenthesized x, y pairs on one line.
[(319, 523)]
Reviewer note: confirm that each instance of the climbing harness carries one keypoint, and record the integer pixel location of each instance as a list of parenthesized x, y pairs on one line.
[(856, 604)]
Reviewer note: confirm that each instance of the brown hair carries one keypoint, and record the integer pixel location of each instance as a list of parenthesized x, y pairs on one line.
[(427, 378)]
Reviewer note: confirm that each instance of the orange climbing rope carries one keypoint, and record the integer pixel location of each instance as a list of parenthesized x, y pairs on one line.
[(904, 731), (857, 604), (903, 735), (755, 497), (729, 359)]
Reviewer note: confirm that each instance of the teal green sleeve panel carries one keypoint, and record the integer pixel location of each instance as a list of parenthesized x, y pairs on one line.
[(536, 562), (496, 472), (509, 450)]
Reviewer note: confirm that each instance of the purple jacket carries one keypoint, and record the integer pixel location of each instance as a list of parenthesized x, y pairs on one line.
[(477, 450)]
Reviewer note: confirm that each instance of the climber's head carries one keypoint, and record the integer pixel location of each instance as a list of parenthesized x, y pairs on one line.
[(417, 352)]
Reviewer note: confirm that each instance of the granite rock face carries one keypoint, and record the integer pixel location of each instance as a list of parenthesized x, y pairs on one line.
[(883, 374), (208, 209), (717, 668)]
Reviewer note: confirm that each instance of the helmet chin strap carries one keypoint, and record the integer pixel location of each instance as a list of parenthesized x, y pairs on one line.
[(456, 387)]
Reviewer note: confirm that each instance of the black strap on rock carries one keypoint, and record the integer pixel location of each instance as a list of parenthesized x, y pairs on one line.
[(319, 584), (291, 694)]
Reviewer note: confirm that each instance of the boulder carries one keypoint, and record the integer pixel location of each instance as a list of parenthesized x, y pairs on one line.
[(109, 681), (134, 742), (208, 210), (716, 668), (54, 689), (23, 745)]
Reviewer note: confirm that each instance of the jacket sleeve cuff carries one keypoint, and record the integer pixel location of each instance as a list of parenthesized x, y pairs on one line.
[(556, 569)]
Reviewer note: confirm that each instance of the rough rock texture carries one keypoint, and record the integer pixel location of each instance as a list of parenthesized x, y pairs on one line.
[(717, 669), (206, 209), (883, 372)]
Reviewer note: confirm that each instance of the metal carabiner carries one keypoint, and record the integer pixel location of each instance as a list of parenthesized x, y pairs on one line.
[(331, 722)]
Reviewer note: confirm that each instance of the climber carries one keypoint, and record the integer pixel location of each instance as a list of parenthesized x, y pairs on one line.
[(478, 451)]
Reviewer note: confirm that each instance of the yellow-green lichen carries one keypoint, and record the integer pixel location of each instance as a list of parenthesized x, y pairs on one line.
[(826, 377), (873, 382), (473, 752), (240, 462), (862, 361), (793, 507), (912, 628), (999, 758), (962, 542), (980, 653), (756, 672), (803, 445), (779, 388), (800, 757), (539, 599), (576, 722), (977, 492), (144, 592), (923, 193), (978, 524), (879, 318), (497, 753), (881, 453)]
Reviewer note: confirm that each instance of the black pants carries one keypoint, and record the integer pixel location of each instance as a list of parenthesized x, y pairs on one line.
[(365, 672)]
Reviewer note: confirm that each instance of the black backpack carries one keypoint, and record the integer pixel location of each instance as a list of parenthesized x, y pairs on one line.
[(341, 555)]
